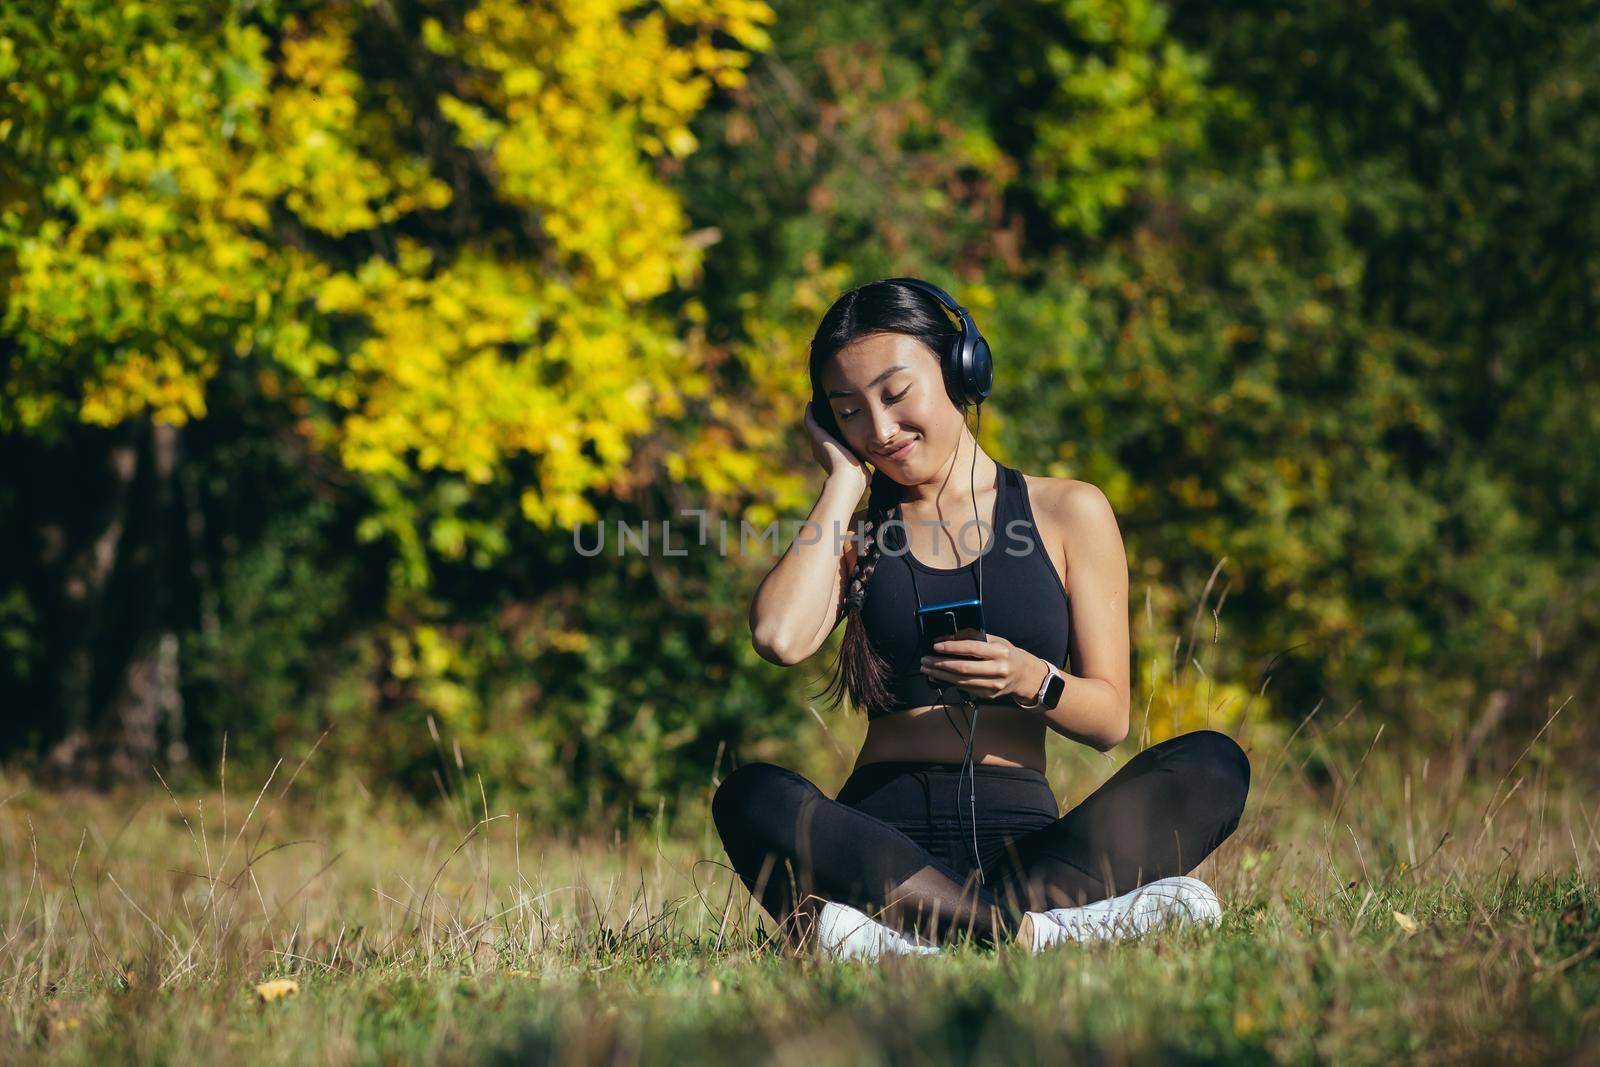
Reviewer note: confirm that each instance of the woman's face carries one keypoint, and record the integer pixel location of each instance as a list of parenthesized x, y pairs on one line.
[(891, 406)]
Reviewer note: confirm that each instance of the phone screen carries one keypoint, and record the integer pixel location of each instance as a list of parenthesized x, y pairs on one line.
[(938, 621)]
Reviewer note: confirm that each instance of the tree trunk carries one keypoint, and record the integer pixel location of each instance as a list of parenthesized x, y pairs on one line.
[(148, 700), (84, 581)]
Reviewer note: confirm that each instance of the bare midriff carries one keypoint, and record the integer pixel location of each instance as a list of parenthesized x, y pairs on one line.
[(1008, 736)]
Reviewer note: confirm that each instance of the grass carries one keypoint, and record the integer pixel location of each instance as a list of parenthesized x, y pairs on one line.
[(1380, 906)]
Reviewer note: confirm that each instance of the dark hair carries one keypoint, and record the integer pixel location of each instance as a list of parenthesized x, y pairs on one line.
[(874, 308)]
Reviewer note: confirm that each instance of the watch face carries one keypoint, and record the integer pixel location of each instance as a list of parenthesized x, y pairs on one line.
[(1053, 689)]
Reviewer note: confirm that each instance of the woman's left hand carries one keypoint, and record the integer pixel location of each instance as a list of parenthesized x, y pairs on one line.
[(987, 669)]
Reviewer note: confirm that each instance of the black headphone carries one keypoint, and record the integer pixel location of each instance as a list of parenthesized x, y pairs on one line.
[(967, 366)]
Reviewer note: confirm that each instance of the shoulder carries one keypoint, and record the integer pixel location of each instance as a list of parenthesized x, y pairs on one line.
[(1077, 516), (1069, 504)]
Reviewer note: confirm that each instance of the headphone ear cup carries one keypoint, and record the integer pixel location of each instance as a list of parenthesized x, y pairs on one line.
[(970, 370), (950, 369), (981, 371)]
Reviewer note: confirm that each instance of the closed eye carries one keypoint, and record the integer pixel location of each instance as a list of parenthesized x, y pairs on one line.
[(893, 400)]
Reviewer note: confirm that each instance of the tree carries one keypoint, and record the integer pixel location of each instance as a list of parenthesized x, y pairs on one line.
[(432, 233)]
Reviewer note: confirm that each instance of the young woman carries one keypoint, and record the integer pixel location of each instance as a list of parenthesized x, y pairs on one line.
[(910, 838)]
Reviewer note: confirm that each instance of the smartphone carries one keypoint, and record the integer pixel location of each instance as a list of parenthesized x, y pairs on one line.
[(939, 621)]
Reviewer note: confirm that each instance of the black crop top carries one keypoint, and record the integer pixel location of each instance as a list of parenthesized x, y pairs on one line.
[(1023, 598)]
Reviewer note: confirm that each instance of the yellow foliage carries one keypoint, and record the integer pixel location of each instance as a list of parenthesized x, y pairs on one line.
[(158, 382), (1164, 706), (167, 230), (440, 672), (1169, 699)]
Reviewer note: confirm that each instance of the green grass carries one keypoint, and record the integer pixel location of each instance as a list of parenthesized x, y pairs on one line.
[(136, 927)]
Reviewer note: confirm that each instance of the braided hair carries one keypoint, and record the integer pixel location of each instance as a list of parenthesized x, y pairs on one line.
[(861, 670), (877, 307)]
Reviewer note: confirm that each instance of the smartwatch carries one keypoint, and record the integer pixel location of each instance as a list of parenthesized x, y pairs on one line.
[(1050, 690)]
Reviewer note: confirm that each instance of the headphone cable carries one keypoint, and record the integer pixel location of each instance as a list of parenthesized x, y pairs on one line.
[(972, 706)]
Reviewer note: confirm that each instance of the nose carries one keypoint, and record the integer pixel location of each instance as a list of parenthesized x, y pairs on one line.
[(883, 429)]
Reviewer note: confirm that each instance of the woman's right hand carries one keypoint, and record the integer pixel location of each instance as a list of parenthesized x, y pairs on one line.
[(832, 454)]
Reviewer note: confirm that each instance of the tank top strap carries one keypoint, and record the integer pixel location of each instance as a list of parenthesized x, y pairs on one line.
[(1009, 506)]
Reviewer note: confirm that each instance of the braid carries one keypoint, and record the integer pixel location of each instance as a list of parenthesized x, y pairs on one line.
[(860, 670), (866, 561)]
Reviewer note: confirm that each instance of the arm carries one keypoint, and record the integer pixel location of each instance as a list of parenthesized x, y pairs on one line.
[(1094, 705), (796, 606)]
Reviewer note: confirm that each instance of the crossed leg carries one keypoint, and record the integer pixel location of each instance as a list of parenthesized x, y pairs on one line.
[(793, 846), (1162, 813), (1159, 815)]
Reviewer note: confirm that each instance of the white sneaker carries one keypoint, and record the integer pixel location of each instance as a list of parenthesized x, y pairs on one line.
[(845, 933), (1179, 899)]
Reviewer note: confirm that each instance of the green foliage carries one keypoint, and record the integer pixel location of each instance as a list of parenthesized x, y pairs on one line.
[(258, 676), (1121, 94), (1252, 314), (1307, 291)]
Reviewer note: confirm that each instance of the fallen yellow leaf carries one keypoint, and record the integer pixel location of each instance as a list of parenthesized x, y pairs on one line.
[(1406, 923), (277, 989)]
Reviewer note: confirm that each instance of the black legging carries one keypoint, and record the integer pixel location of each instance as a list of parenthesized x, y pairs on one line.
[(898, 840)]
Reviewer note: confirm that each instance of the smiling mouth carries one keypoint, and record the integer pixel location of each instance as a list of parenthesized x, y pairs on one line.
[(900, 453)]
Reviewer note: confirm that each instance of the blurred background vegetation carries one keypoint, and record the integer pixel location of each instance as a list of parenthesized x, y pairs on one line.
[(325, 324)]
